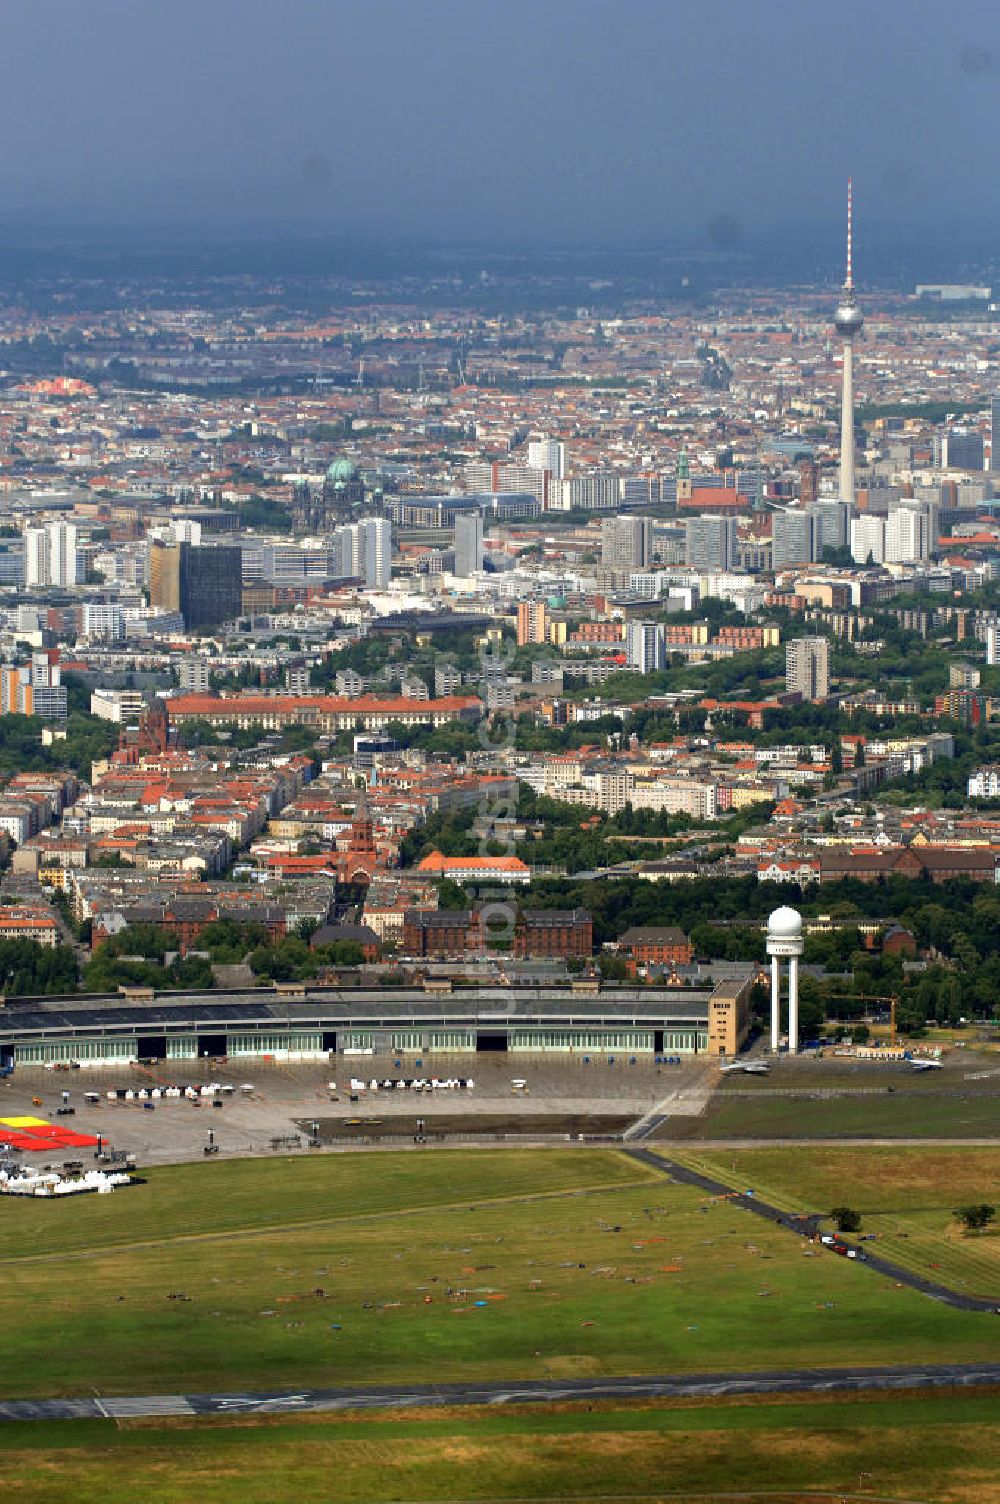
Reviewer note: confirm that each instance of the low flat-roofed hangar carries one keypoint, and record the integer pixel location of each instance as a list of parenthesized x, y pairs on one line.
[(310, 1023)]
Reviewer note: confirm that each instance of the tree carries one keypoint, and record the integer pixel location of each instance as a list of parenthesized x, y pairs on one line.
[(846, 1218), (976, 1217)]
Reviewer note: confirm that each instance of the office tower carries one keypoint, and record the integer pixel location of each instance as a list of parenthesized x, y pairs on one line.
[(962, 450), (626, 543), (807, 667), (907, 536), (995, 434), (378, 552), (848, 322), (832, 525), (646, 651), (532, 623), (868, 539), (710, 543), (205, 584), (548, 454), (468, 544), (793, 539), (51, 555)]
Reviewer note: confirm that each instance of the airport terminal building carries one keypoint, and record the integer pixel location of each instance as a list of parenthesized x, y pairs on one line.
[(296, 1022)]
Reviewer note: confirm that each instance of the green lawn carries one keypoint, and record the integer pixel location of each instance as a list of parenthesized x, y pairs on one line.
[(945, 1448), (231, 1196), (433, 1267), (907, 1197)]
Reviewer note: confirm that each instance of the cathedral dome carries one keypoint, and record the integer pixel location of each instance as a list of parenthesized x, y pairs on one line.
[(341, 472)]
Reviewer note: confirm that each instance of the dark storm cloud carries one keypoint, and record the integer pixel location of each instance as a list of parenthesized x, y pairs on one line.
[(610, 119)]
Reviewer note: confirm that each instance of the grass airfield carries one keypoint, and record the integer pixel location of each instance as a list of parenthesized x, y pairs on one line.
[(907, 1197), (437, 1266), (447, 1265)]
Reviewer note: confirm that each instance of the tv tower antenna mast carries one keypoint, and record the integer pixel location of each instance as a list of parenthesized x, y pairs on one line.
[(848, 322)]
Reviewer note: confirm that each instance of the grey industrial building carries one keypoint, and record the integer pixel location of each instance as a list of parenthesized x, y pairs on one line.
[(299, 1023)]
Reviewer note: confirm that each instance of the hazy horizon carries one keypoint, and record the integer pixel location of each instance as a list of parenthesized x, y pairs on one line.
[(541, 123)]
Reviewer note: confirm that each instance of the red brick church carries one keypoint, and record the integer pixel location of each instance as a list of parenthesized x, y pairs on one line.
[(358, 857)]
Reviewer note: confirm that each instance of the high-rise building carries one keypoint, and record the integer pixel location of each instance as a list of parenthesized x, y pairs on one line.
[(51, 556), (102, 623), (548, 454), (205, 584), (626, 543), (995, 434), (832, 524), (848, 322), (807, 667), (34, 689), (907, 536), (532, 622), (378, 552), (646, 650), (993, 644), (793, 539), (710, 542), (468, 544), (868, 539), (351, 540), (962, 449), (365, 551)]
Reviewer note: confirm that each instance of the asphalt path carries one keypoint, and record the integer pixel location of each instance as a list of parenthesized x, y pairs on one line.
[(533, 1392), (807, 1226)]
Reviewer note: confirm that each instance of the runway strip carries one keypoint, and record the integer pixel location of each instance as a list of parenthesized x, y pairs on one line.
[(535, 1392)]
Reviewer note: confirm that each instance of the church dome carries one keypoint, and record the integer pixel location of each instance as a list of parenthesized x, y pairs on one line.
[(341, 472)]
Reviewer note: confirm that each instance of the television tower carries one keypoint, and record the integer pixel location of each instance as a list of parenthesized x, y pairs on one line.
[(848, 322)]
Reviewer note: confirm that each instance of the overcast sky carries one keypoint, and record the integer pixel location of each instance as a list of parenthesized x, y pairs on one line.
[(544, 120)]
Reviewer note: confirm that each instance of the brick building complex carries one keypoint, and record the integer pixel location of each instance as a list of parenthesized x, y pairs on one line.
[(537, 932), (655, 945), (872, 864)]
